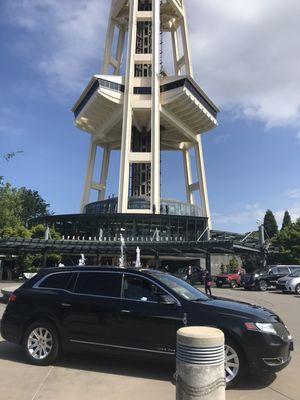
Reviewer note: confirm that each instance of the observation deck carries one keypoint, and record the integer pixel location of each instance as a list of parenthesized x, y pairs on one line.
[(186, 111)]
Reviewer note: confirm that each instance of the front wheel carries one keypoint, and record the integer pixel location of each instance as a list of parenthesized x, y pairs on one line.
[(233, 284), (234, 364), (219, 285), (41, 343), (263, 286), (297, 289)]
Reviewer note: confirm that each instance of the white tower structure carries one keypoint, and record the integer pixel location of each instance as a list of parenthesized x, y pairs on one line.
[(135, 107)]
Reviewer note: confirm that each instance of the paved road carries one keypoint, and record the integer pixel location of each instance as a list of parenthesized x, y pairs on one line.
[(101, 376)]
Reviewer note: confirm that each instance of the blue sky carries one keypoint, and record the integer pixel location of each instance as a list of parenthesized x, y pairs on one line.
[(245, 56)]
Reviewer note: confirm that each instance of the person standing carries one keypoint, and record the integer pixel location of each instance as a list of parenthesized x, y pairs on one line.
[(189, 274), (207, 282)]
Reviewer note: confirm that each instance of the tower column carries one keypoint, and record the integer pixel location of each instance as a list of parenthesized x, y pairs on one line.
[(185, 43), (155, 112), (89, 174), (108, 42), (174, 35), (202, 180), (104, 173), (127, 113), (188, 176), (121, 40)]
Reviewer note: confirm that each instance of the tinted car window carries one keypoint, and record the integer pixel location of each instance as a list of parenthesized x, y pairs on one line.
[(56, 281), (294, 268), (295, 274), (283, 270), (137, 288), (180, 287), (99, 284)]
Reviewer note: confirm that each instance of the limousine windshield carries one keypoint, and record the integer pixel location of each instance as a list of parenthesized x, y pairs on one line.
[(180, 287)]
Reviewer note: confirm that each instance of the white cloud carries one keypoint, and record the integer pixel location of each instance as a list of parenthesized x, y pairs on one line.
[(249, 214), (246, 53), (68, 38), (293, 193)]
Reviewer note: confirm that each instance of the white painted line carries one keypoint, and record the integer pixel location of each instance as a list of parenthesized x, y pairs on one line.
[(42, 383)]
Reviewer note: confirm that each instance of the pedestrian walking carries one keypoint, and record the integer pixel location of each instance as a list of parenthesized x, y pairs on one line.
[(207, 282)]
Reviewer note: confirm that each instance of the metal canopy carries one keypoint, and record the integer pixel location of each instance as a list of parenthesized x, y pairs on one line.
[(112, 248)]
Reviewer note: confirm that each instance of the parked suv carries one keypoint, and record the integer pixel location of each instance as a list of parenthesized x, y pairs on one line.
[(290, 283), (139, 311), (262, 280)]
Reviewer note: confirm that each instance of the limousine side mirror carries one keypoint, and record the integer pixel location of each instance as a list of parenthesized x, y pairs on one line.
[(166, 299)]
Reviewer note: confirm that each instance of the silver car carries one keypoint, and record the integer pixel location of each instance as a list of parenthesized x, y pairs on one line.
[(290, 283)]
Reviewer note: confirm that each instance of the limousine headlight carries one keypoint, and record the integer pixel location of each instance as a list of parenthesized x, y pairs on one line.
[(261, 327)]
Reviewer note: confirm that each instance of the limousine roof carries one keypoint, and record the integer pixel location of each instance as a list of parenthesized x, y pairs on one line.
[(90, 268)]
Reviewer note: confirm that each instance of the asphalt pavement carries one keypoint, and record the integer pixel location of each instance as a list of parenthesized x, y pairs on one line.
[(86, 376)]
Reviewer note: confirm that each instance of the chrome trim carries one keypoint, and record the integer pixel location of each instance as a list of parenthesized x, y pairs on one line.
[(122, 347), (36, 285)]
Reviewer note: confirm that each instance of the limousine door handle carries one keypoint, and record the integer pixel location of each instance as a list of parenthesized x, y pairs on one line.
[(66, 305), (125, 311)]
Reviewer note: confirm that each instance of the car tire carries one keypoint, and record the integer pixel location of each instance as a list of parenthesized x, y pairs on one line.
[(218, 285), (297, 289), (41, 343), (262, 285), (233, 284), (233, 355)]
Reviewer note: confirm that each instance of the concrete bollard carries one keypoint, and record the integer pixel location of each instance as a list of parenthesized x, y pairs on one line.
[(200, 358)]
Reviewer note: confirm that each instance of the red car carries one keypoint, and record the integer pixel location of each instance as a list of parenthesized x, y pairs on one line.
[(232, 280)]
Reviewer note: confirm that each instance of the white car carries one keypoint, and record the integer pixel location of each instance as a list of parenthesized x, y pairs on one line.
[(290, 283)]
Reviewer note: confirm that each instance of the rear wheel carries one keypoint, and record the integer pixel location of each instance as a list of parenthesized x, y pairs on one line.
[(263, 286), (233, 284), (41, 343), (234, 364), (297, 289)]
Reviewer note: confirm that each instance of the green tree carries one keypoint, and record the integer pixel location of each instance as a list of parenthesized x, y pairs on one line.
[(270, 224), (286, 220), (233, 265), (10, 206), (286, 245), (38, 232), (32, 205), (17, 206)]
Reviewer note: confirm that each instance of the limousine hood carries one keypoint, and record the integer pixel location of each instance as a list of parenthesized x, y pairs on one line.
[(251, 312)]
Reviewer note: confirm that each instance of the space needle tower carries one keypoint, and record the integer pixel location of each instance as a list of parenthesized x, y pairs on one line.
[(137, 108)]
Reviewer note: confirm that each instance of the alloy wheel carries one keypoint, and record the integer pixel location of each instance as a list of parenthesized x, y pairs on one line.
[(298, 289), (263, 286), (40, 343), (232, 364)]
